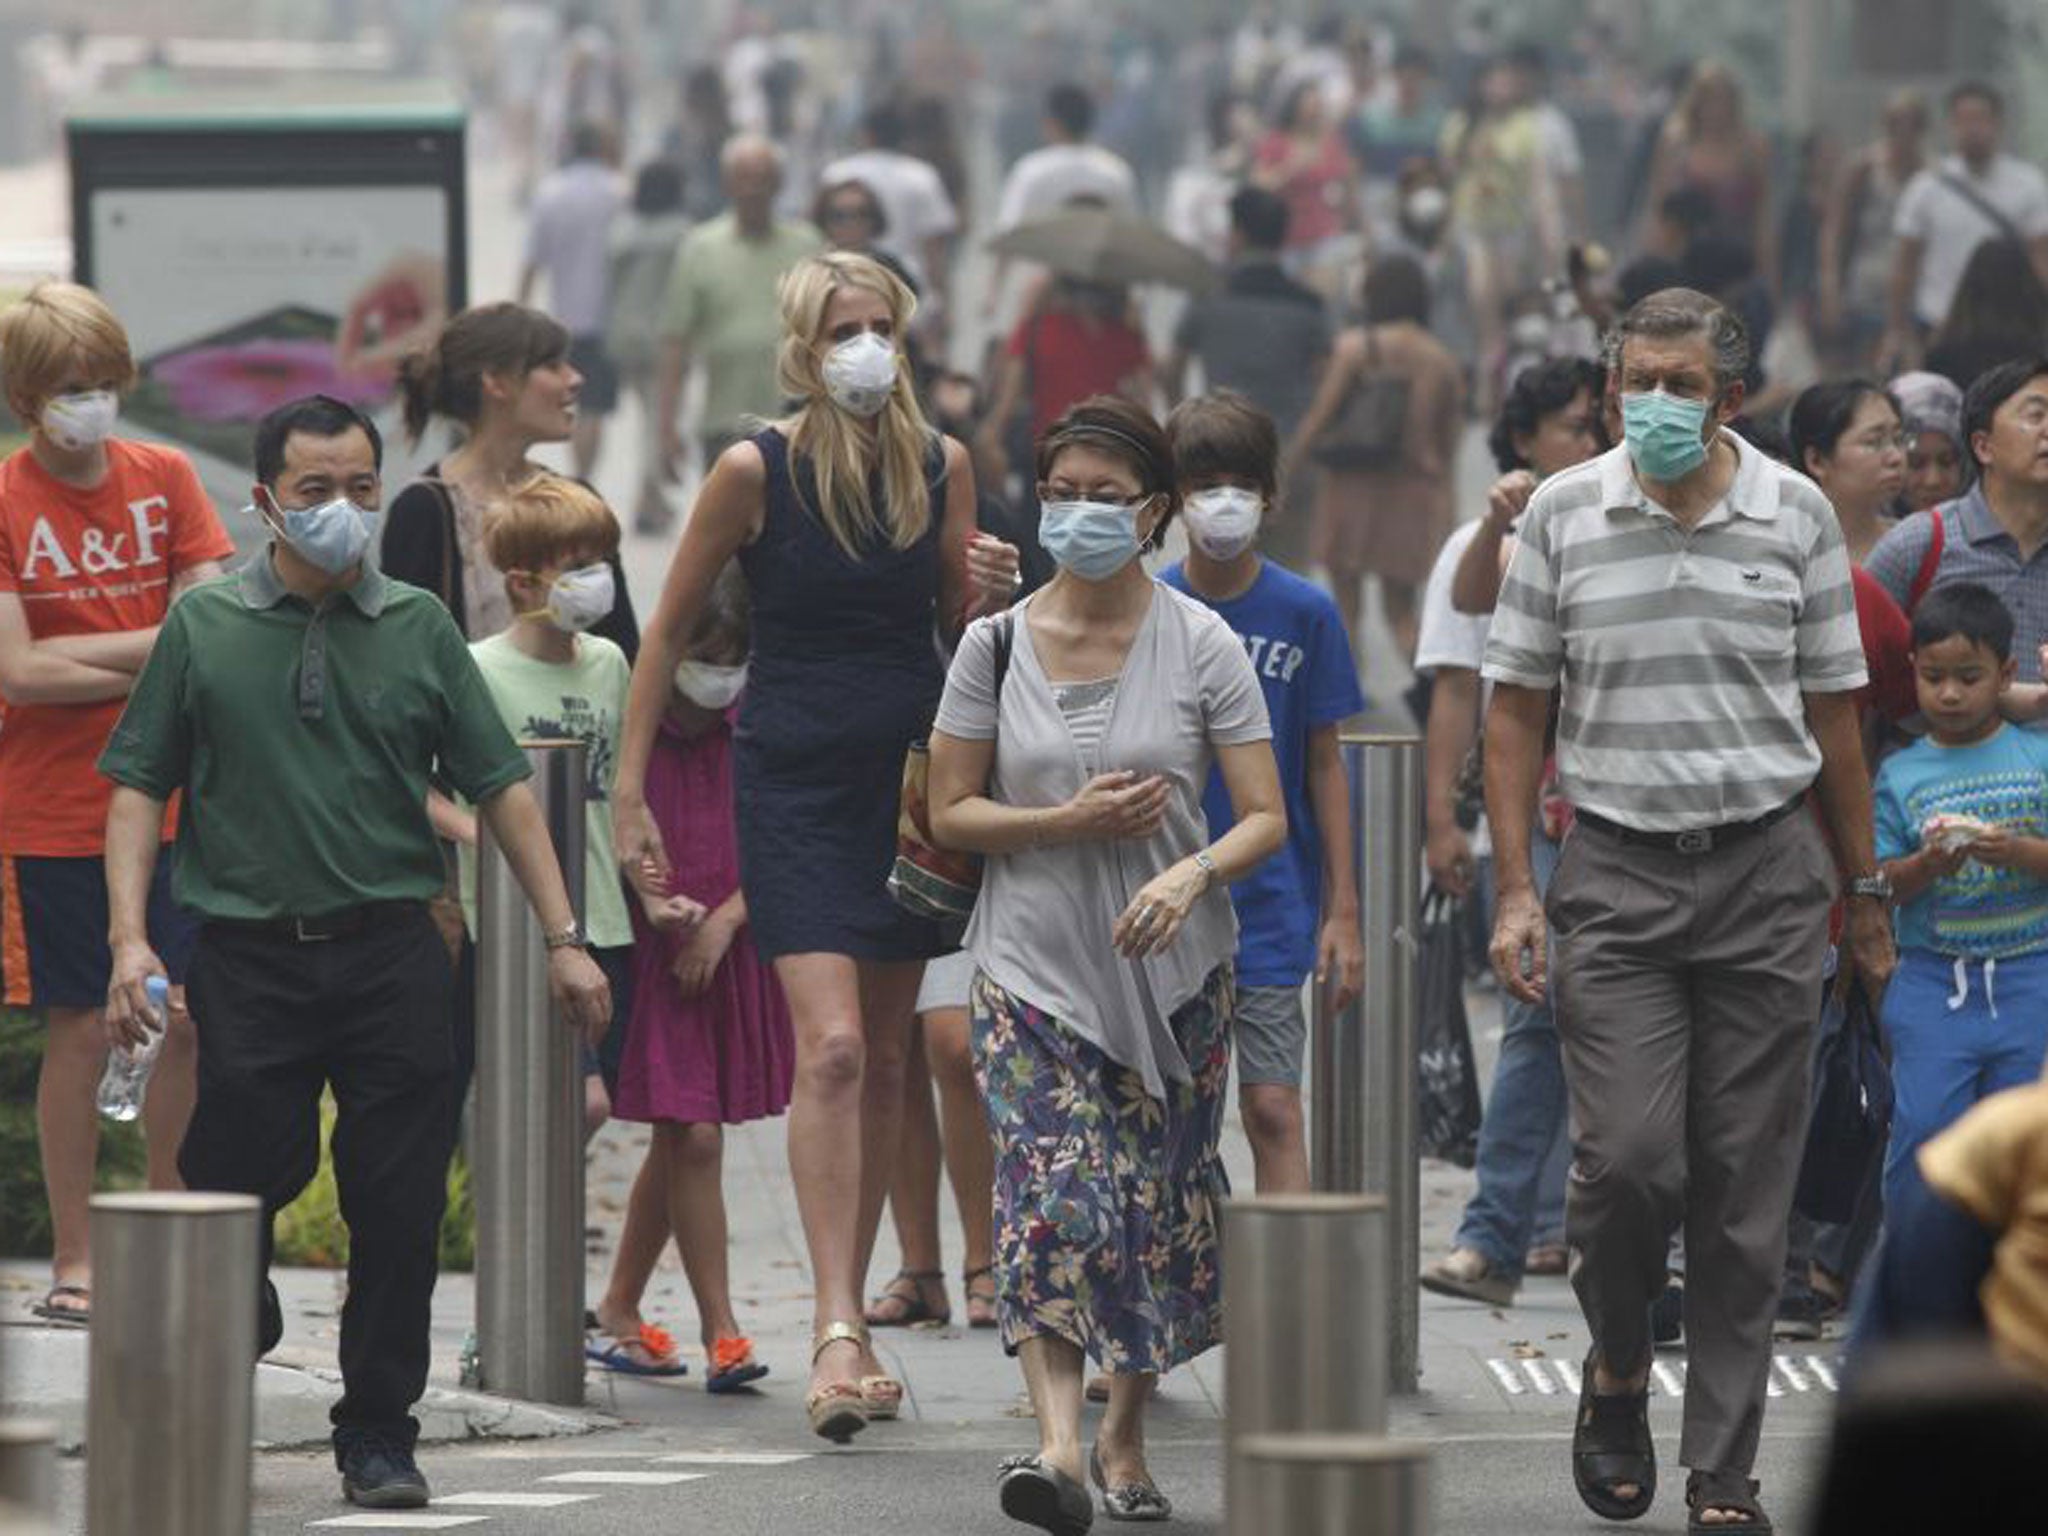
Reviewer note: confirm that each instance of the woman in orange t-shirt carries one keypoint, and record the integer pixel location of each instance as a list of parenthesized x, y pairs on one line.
[(97, 537)]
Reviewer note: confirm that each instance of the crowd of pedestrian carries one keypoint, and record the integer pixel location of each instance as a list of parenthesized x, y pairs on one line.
[(939, 811)]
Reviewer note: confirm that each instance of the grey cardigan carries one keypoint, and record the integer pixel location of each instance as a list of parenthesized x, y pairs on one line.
[(1041, 928)]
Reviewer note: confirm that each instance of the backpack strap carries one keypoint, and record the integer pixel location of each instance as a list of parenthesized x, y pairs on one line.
[(1930, 563)]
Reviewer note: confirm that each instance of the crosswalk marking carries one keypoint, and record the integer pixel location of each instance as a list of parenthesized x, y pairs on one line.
[(1802, 1375), (624, 1479), (733, 1458), (513, 1500), (395, 1521)]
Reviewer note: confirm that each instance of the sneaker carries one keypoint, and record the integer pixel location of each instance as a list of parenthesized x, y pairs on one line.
[(1468, 1274), (1667, 1317), (378, 1472), (1801, 1313)]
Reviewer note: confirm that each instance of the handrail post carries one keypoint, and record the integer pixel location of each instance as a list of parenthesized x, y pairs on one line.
[(1362, 1117), (528, 1161), (171, 1394)]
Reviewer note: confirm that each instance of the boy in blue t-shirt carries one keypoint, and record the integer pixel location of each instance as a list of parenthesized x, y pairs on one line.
[(1962, 830), (1299, 911)]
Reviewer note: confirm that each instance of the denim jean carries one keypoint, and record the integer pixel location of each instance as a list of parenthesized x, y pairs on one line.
[(1524, 1149)]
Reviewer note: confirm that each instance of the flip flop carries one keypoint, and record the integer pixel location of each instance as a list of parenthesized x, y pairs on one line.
[(70, 1317), (733, 1365), (614, 1354)]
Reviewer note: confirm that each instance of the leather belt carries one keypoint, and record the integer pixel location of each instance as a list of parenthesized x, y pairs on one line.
[(343, 923), (1693, 840)]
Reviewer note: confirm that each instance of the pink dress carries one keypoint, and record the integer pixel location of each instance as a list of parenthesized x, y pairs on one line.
[(729, 1055)]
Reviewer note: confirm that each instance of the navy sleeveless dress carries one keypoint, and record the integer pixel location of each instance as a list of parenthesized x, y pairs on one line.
[(844, 674)]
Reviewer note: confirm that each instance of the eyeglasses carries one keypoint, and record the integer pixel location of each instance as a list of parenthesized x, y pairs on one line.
[(1059, 491)]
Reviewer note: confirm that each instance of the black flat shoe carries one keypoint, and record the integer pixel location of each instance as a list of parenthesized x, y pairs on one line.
[(1612, 1448), (1129, 1501), (1036, 1494)]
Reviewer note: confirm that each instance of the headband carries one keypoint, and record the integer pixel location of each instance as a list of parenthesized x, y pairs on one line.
[(1060, 438)]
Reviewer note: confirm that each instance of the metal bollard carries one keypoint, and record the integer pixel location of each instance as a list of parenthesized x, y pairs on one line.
[(1362, 1116), (170, 1399), (1305, 1310), (1333, 1485), (28, 1470), (527, 1167)]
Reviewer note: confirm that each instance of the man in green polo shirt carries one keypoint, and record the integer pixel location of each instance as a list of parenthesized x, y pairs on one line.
[(300, 705)]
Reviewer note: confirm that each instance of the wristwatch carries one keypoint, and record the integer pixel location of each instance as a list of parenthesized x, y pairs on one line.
[(1877, 887), (571, 937), (1207, 865)]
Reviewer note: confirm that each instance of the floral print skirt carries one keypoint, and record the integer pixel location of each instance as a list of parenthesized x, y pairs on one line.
[(1108, 1201)]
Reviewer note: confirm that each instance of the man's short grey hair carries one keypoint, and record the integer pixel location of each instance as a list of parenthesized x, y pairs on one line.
[(1674, 312), (750, 146)]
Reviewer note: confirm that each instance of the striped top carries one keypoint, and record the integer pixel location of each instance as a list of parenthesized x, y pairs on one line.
[(1974, 547), (1682, 655)]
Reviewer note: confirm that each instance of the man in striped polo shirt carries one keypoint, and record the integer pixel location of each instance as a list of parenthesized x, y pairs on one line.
[(1692, 599)]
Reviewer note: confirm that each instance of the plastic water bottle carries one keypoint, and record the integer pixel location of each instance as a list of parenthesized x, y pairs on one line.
[(127, 1076)]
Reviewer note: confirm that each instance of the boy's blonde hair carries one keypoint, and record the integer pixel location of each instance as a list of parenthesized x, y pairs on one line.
[(53, 328), (547, 520)]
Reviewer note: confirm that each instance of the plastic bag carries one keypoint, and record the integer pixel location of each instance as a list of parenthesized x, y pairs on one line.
[(1852, 1111), (1447, 1101)]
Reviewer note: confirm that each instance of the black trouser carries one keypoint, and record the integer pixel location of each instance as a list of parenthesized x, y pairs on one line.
[(368, 1014)]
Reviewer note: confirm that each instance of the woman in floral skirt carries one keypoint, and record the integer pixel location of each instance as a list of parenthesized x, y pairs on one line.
[(1073, 743)]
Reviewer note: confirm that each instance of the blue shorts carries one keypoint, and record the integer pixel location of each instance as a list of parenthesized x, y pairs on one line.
[(53, 930)]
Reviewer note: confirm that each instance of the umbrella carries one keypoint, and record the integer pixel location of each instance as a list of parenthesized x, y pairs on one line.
[(1100, 245)]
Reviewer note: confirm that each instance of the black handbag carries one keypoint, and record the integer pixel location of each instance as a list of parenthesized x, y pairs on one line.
[(1852, 1112), (1371, 425), (1447, 1100)]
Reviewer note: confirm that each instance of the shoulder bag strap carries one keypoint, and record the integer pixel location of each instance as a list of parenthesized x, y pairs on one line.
[(1005, 638), (1984, 205), (1930, 563), (446, 587)]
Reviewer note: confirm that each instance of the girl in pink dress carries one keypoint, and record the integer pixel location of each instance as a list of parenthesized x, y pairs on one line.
[(708, 1043)]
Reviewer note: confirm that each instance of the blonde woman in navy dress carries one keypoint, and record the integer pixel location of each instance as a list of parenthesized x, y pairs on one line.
[(854, 523)]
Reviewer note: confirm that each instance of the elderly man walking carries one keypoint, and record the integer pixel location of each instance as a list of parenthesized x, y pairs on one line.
[(1692, 599)]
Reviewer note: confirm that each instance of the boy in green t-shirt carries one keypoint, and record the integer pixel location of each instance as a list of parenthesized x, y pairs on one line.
[(553, 538)]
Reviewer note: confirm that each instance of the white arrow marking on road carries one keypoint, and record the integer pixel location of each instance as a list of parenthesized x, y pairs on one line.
[(627, 1479), (1539, 1378), (1668, 1379)]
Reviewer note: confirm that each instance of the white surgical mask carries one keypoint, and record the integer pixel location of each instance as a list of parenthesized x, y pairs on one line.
[(580, 598), (1425, 207), (80, 421), (1223, 521), (332, 536), (860, 374), (710, 687)]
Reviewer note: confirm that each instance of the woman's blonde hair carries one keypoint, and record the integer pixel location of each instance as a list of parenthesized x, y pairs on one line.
[(1711, 78), (52, 327), (832, 440)]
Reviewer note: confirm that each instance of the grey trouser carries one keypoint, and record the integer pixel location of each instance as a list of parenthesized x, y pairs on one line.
[(1687, 990)]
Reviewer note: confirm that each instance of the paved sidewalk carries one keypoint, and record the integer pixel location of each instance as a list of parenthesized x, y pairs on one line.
[(1498, 1388)]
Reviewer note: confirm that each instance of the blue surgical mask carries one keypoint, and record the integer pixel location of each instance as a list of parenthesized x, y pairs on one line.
[(1663, 434), (331, 536), (1093, 539)]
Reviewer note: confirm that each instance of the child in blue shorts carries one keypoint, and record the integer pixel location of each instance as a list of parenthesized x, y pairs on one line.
[(1962, 829)]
